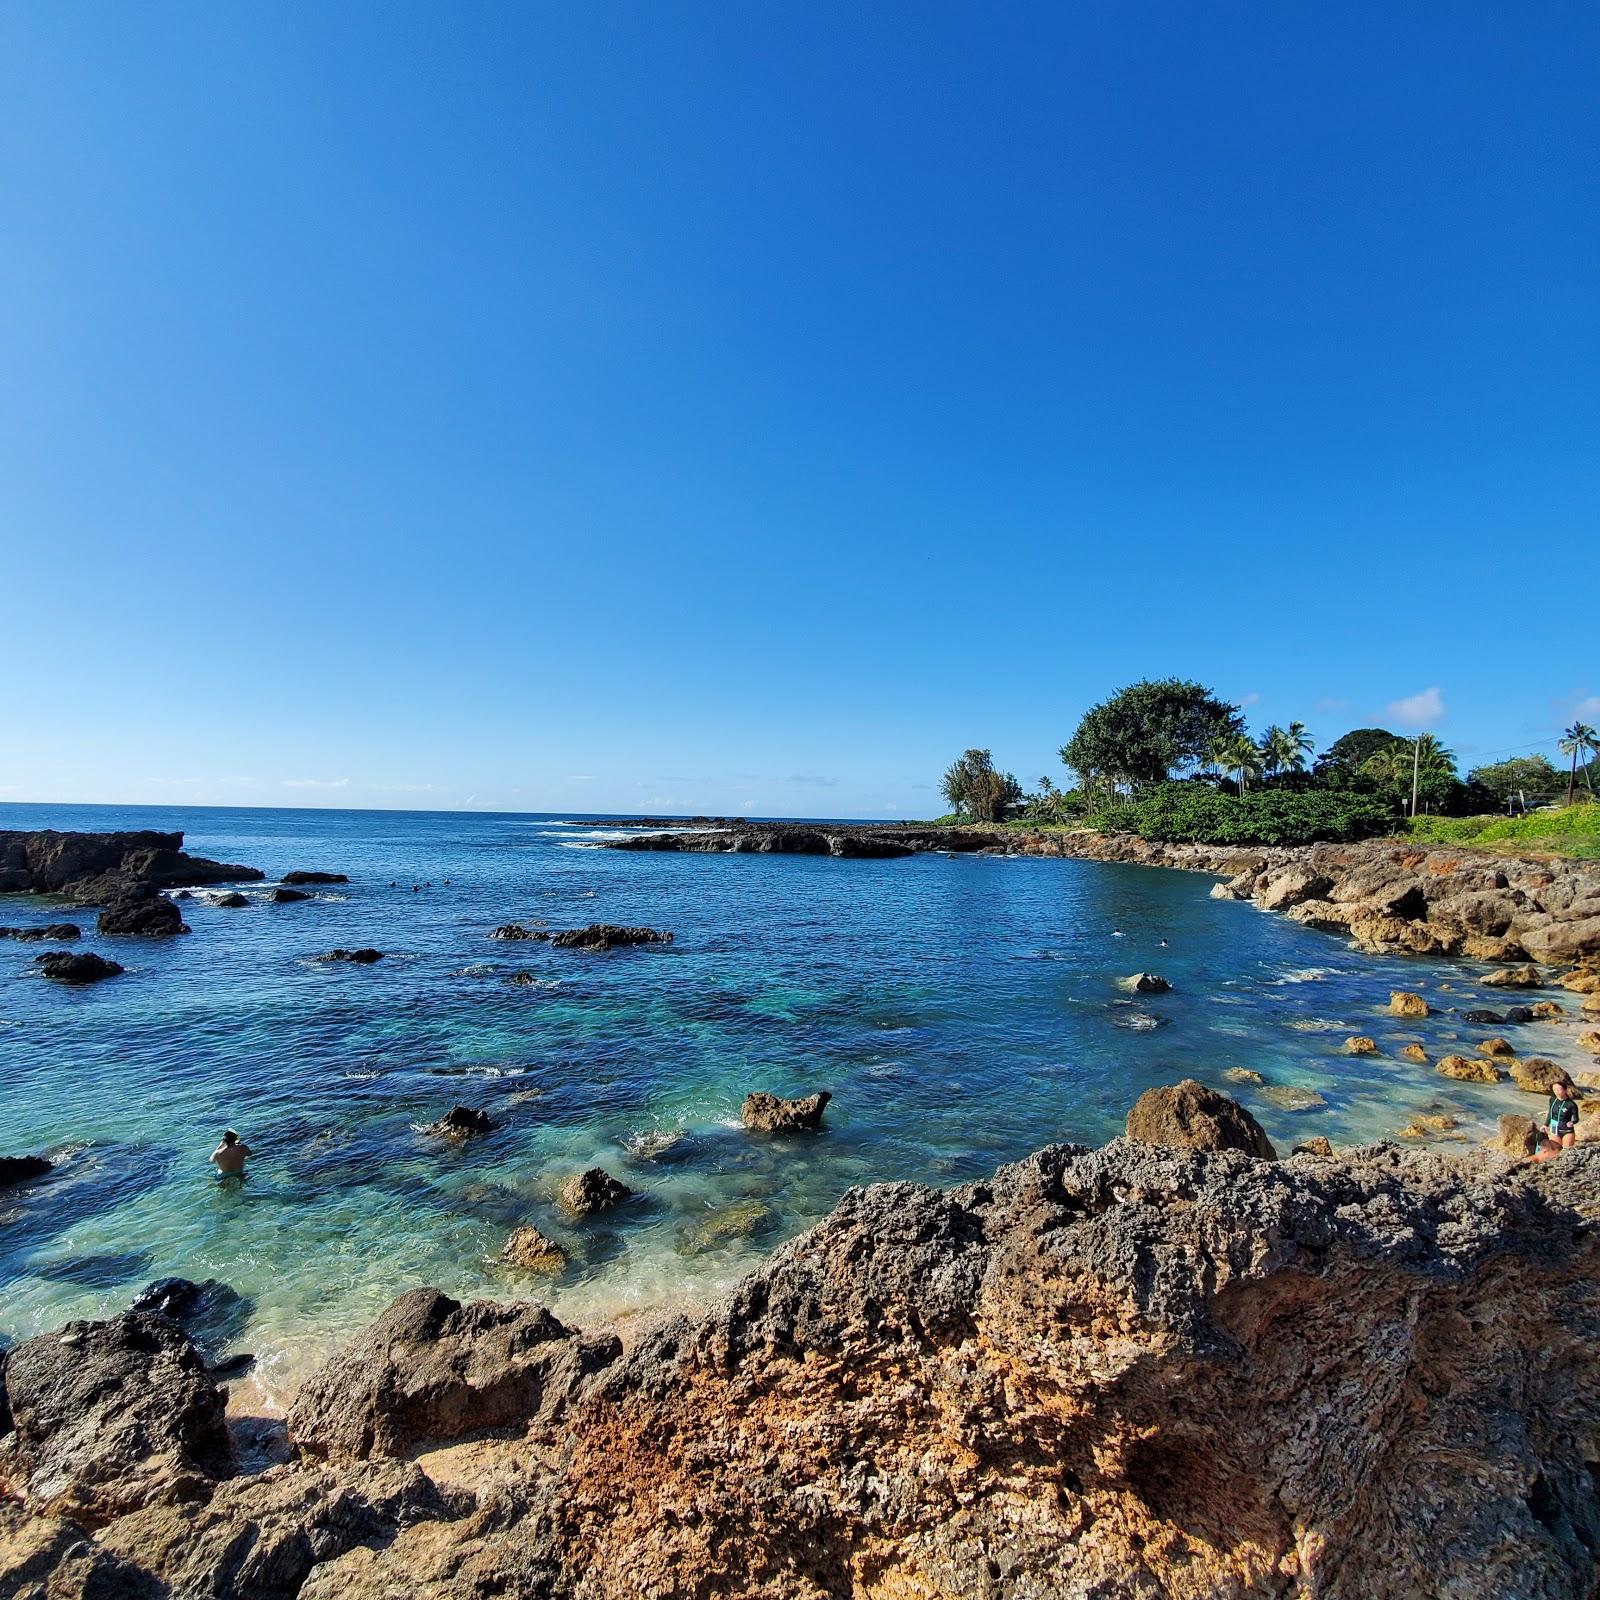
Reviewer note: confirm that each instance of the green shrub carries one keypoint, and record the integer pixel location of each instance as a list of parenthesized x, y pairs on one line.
[(1194, 813)]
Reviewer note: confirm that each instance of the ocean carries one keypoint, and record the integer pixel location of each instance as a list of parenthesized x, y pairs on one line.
[(963, 1011)]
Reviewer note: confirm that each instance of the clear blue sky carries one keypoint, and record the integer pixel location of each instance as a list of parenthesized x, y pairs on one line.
[(746, 407)]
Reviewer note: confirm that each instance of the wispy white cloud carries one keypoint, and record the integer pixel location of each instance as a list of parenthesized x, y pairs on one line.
[(580, 777), (1587, 707), (1329, 704), (316, 783), (1417, 710), (1253, 698), (813, 782)]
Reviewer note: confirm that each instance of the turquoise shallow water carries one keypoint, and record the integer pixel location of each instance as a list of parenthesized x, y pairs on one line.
[(963, 1012)]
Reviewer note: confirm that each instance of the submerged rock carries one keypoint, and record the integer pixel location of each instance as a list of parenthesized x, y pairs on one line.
[(1190, 1116), (589, 1193), (1147, 983), (1358, 1044), (168, 1297), (19, 1169), (1242, 1075), (1414, 1052), (770, 1113), (299, 875), (607, 936), (533, 1252), (462, 1122), (107, 1417), (431, 1369), (84, 966), (1291, 1097)]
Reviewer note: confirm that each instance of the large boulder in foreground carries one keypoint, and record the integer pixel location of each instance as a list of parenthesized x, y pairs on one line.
[(1128, 1374), (106, 1417), (431, 1369), (1191, 1116)]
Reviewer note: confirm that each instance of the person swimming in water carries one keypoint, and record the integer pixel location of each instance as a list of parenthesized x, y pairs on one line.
[(230, 1156)]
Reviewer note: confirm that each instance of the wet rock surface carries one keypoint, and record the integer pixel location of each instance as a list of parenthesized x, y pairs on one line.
[(589, 1193), (771, 1113), (607, 936), (21, 1169), (51, 932), (81, 966), (288, 897), (462, 1122), (146, 916), (301, 875), (363, 957)]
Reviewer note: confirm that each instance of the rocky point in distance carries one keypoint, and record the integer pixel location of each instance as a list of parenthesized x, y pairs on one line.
[(1169, 1369)]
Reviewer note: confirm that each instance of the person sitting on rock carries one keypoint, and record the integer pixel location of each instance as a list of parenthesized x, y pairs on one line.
[(229, 1157), (1560, 1122)]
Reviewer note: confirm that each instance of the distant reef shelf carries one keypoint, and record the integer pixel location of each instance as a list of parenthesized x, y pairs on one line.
[(1384, 894)]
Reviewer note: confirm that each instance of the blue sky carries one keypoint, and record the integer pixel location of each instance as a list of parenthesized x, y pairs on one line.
[(747, 407)]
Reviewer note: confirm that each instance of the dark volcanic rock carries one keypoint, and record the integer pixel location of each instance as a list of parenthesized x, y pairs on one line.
[(462, 1122), (515, 930), (1190, 1115), (110, 1416), (1149, 983), (607, 936), (52, 931), (431, 1369), (770, 1113), (168, 1297), (233, 901), (99, 868), (363, 957), (84, 966), (1483, 1018), (300, 876), (589, 1193), (155, 917), (1517, 1015), (19, 1169), (285, 897)]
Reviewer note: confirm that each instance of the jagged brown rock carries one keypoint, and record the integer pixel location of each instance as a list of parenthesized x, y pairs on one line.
[(1404, 1004), (1468, 1069), (1189, 1115), (771, 1113), (530, 1250), (106, 1417), (431, 1369), (586, 1194), (1137, 1373), (462, 1122)]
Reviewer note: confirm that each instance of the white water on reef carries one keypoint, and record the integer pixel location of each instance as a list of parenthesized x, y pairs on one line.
[(963, 1011)]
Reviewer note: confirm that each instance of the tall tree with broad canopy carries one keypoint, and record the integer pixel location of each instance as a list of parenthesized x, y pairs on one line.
[(1351, 751), (1532, 777), (1149, 732)]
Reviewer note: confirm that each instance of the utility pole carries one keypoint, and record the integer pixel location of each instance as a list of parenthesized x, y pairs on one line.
[(1416, 762)]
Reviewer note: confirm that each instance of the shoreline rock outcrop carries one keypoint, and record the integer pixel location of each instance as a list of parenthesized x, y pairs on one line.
[(1133, 1373), (104, 868)]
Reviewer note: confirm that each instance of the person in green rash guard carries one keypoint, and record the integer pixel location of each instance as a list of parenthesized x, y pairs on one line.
[(1560, 1122)]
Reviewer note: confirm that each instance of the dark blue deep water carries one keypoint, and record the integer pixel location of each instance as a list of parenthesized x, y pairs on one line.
[(963, 1012)]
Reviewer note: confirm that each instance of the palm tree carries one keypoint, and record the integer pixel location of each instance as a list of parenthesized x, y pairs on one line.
[(1281, 750), (1579, 740), (1219, 753), (1241, 756), (1303, 746), (1390, 767)]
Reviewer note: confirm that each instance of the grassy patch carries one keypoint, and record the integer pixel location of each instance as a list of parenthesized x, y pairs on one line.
[(1571, 831)]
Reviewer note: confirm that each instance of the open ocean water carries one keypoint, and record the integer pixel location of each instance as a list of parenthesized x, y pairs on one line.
[(963, 1011)]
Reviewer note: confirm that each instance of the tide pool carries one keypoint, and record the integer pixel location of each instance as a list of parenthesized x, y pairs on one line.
[(963, 1011)]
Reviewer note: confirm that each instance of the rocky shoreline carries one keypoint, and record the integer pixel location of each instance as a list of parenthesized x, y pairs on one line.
[(1385, 894), (1148, 1370)]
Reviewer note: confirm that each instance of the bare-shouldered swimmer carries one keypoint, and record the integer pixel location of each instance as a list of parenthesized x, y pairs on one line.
[(230, 1156)]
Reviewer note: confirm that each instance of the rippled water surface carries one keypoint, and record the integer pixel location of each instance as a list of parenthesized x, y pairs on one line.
[(963, 1011)]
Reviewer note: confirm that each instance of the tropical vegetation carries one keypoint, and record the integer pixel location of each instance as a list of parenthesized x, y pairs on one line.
[(1169, 759)]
